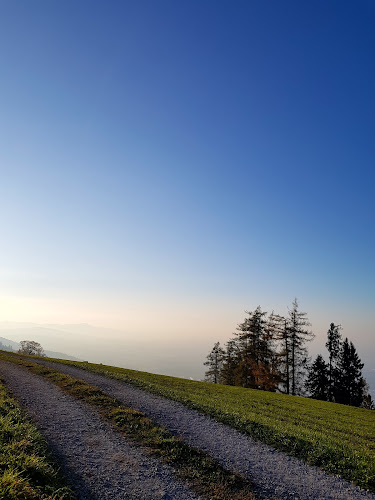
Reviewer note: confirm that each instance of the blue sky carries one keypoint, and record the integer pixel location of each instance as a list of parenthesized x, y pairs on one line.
[(200, 157)]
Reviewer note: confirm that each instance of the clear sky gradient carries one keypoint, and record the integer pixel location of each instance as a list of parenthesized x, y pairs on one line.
[(167, 164)]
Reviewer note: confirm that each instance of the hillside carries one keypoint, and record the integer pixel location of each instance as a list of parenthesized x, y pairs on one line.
[(10, 345), (200, 439), (337, 438)]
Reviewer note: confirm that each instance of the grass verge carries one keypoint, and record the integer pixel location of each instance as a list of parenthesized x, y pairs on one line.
[(337, 438), (203, 474), (26, 469)]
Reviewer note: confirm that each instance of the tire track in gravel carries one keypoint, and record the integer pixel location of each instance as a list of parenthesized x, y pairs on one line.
[(274, 473), (98, 462)]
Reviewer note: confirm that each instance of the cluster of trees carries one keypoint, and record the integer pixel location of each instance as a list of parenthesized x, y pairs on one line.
[(340, 379), (269, 352)]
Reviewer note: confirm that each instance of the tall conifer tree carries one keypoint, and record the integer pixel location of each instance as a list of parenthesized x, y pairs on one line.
[(229, 368), (333, 345), (318, 378), (351, 386), (214, 363), (296, 335), (257, 357)]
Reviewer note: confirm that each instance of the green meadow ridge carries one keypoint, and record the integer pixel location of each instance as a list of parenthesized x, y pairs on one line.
[(203, 474), (338, 438)]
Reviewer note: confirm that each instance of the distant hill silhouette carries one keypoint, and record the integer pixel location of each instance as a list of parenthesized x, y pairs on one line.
[(10, 345)]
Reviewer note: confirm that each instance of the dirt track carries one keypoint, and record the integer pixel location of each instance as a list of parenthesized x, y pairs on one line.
[(101, 464), (274, 473), (98, 462)]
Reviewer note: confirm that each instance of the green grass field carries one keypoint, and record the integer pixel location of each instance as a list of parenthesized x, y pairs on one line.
[(26, 472), (337, 438), (203, 474)]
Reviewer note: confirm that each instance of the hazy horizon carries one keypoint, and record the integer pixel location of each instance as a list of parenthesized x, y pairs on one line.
[(176, 357)]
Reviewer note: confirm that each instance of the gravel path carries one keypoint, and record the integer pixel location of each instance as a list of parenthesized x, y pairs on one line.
[(98, 462), (273, 472)]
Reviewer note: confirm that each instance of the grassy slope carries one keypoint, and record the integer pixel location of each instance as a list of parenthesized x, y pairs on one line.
[(337, 438), (202, 473), (25, 472)]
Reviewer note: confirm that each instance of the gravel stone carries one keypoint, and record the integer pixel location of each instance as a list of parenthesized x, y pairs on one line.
[(98, 462), (274, 473)]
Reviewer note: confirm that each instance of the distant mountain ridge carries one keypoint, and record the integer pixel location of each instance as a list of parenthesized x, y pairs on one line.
[(10, 345)]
